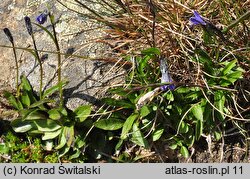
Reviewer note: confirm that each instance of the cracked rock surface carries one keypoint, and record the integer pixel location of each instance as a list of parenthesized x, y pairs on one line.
[(88, 79)]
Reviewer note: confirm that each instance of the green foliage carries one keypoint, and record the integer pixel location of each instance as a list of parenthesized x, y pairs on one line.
[(38, 117), (181, 116)]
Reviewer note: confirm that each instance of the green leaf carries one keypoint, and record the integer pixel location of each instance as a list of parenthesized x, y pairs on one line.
[(21, 126), (119, 145), (40, 102), (198, 129), (137, 136), (83, 112), (75, 155), (25, 84), (184, 152), (69, 134), (183, 127), (197, 112), (173, 146), (63, 151), (51, 135), (204, 57), (144, 111), (25, 99), (62, 141), (128, 125), (118, 103), (34, 114), (12, 100), (151, 51), (54, 114), (53, 89), (109, 124), (217, 135), (157, 134), (219, 102), (47, 125), (228, 67)]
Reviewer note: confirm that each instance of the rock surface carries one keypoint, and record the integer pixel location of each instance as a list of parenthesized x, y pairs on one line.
[(77, 34)]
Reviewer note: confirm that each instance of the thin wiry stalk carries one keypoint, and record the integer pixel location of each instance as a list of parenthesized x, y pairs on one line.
[(40, 64), (10, 37), (59, 73)]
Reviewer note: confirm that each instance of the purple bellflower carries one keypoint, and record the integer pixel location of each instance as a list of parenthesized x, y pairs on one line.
[(42, 18), (197, 20), (165, 78)]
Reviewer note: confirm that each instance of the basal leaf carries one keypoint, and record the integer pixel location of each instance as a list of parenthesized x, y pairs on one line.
[(198, 129), (53, 89), (151, 51), (25, 99), (197, 112), (12, 100), (21, 126), (228, 67), (144, 111), (83, 112), (25, 84), (47, 125), (137, 136), (36, 114), (109, 124), (157, 134), (51, 135), (62, 140), (184, 152), (54, 114), (128, 125), (69, 134), (118, 103)]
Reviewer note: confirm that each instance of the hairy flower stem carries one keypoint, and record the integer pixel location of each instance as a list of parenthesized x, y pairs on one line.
[(10, 37), (59, 73), (40, 64)]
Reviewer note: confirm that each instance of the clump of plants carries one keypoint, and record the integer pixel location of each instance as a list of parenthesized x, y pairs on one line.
[(187, 83), (39, 115)]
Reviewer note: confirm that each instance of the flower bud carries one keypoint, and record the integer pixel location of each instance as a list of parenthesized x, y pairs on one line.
[(8, 34), (28, 25)]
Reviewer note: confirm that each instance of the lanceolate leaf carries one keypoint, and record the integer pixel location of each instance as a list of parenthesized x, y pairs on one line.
[(47, 125), (53, 89), (184, 152), (19, 125), (128, 125), (51, 135), (137, 136), (198, 129), (109, 124), (12, 100), (83, 112), (228, 67), (69, 134), (197, 112)]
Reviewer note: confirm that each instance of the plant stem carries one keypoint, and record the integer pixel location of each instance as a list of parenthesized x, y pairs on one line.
[(59, 73), (40, 64), (17, 69), (233, 24)]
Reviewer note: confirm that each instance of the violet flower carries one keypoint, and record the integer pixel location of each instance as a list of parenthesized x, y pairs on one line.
[(165, 78), (42, 18), (197, 20)]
